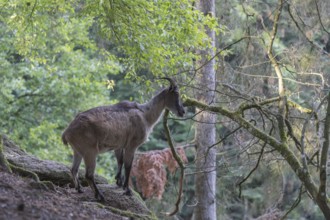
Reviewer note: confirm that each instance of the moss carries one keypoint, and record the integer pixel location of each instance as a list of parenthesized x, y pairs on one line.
[(47, 185), (24, 173), (3, 161)]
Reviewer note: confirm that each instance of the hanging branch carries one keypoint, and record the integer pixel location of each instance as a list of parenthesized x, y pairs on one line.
[(178, 160)]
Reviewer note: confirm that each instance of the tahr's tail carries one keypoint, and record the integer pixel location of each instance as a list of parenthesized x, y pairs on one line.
[(64, 139)]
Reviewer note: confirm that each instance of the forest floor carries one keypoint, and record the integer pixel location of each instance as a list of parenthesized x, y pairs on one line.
[(23, 198)]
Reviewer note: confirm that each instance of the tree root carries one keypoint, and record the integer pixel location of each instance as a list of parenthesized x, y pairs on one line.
[(24, 173), (46, 185)]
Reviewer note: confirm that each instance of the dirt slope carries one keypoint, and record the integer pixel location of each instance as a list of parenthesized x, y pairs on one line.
[(28, 198)]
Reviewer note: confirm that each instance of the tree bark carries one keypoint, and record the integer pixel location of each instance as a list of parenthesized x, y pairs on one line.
[(205, 133)]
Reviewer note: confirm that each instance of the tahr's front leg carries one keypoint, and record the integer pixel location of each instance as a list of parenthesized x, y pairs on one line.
[(128, 160)]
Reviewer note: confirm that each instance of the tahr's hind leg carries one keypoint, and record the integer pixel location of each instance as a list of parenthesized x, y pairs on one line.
[(90, 163), (119, 157), (74, 170)]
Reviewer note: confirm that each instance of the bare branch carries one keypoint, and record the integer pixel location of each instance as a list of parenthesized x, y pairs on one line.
[(281, 88), (281, 147), (178, 160), (30, 18)]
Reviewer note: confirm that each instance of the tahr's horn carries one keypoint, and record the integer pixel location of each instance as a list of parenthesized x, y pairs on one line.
[(173, 83)]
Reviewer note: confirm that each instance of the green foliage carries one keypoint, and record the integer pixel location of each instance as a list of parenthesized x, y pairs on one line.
[(161, 36), (107, 166), (41, 91)]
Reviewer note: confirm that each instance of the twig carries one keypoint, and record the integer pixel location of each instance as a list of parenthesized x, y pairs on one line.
[(31, 14), (251, 172), (221, 140), (295, 204)]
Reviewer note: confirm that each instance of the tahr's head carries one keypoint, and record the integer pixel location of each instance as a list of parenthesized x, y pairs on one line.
[(172, 99)]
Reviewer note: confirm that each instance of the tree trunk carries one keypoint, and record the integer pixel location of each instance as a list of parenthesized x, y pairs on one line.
[(205, 133), (322, 196)]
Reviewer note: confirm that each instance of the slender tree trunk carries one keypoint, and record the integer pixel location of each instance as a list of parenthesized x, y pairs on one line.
[(322, 196), (205, 133)]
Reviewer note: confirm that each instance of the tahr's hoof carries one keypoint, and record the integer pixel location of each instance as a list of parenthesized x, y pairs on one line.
[(119, 182), (128, 192), (100, 197)]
